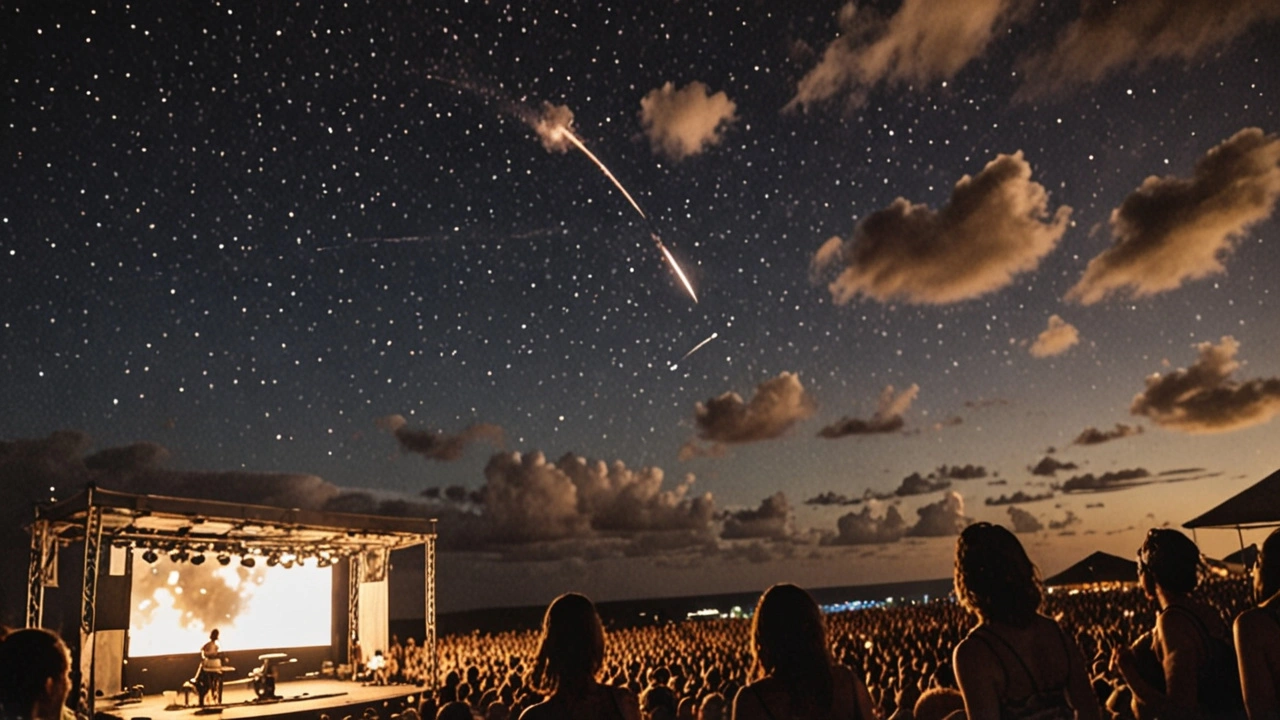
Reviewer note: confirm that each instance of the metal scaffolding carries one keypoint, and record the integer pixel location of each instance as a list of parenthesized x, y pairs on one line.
[(155, 523)]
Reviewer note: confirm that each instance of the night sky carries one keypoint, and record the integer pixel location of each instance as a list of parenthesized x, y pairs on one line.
[(982, 260)]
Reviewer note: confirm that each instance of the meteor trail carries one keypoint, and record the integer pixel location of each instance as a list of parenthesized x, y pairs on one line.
[(675, 267), (696, 348), (568, 134)]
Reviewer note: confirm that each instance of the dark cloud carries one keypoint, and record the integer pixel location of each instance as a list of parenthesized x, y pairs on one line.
[(979, 404), (962, 472), (777, 404), (1172, 230), (1023, 521), (1094, 436), (1112, 36), (863, 528), (1118, 480), (1071, 520), (887, 418), (921, 43), (773, 519), (832, 498), (1204, 399), (1018, 497), (995, 226), (1050, 466), (437, 445), (915, 484)]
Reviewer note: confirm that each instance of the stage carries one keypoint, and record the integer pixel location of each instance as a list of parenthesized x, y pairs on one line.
[(300, 699)]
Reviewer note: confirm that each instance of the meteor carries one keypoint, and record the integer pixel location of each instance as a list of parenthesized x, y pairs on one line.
[(675, 267), (571, 137), (696, 348)]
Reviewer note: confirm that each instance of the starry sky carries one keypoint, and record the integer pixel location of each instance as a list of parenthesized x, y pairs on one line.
[(979, 260)]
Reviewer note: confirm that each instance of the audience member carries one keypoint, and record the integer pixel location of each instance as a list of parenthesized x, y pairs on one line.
[(792, 672), (568, 664), (1016, 663), (35, 675), (1257, 636)]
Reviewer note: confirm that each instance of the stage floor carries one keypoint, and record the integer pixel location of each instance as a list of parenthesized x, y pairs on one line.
[(309, 698)]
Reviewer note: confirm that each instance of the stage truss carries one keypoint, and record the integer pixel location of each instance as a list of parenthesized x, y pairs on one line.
[(98, 516)]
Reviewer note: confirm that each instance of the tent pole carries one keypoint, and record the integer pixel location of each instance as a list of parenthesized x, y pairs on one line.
[(1241, 536)]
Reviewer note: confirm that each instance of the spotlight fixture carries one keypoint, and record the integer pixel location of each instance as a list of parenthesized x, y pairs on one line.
[(150, 556), (198, 559), (273, 559), (224, 559), (248, 561), (179, 555)]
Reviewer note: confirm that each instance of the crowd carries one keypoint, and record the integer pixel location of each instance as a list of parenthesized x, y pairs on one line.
[(1001, 647)]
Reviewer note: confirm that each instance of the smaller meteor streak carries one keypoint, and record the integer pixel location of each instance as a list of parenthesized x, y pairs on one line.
[(675, 267), (696, 348)]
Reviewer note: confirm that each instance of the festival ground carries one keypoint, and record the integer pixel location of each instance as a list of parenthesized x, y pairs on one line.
[(298, 699)]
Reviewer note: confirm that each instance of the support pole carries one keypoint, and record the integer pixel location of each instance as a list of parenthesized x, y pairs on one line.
[(88, 603), (35, 572), (429, 634), (354, 569)]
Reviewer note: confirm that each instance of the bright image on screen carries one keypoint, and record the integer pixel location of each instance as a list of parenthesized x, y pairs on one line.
[(174, 606)]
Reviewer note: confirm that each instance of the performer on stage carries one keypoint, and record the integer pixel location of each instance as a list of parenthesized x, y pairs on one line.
[(211, 669)]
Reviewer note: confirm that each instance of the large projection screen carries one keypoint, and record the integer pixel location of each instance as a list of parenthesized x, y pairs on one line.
[(174, 605)]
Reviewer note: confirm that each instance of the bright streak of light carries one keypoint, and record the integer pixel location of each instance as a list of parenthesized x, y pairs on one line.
[(698, 347), (567, 133), (675, 267)]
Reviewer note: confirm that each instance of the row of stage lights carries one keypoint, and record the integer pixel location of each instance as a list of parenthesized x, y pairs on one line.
[(273, 559)]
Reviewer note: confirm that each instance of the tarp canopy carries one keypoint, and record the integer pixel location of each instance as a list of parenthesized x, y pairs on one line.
[(1099, 567), (1256, 506)]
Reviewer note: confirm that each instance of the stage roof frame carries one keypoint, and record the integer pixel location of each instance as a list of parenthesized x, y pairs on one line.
[(1257, 506), (168, 523)]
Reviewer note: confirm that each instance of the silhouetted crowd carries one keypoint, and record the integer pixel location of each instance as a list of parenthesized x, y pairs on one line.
[(1185, 642)]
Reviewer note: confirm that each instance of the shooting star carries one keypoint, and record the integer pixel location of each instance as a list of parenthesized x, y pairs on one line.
[(696, 348), (554, 128)]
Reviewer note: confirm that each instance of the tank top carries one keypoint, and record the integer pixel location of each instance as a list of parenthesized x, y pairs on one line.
[(1047, 703)]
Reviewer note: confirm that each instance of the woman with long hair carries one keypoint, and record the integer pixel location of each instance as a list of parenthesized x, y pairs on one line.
[(793, 675), (1017, 663), (570, 656), (35, 675), (1257, 635)]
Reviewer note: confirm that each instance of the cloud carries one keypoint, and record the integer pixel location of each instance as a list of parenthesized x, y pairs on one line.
[(1055, 339), (1023, 521), (995, 226), (682, 123), (691, 449), (887, 418), (439, 446), (1117, 480), (773, 519), (553, 126), (1094, 436), (1204, 399), (1172, 230), (962, 472), (778, 404), (1016, 498), (1050, 466), (921, 43), (862, 528), (1070, 520), (528, 499), (914, 484), (1112, 36), (941, 519), (832, 498)]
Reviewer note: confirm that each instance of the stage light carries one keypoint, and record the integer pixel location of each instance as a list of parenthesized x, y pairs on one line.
[(224, 559), (179, 555), (198, 559), (248, 561), (150, 556), (273, 559)]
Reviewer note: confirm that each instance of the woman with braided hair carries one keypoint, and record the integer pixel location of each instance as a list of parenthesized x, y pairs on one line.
[(1016, 663)]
